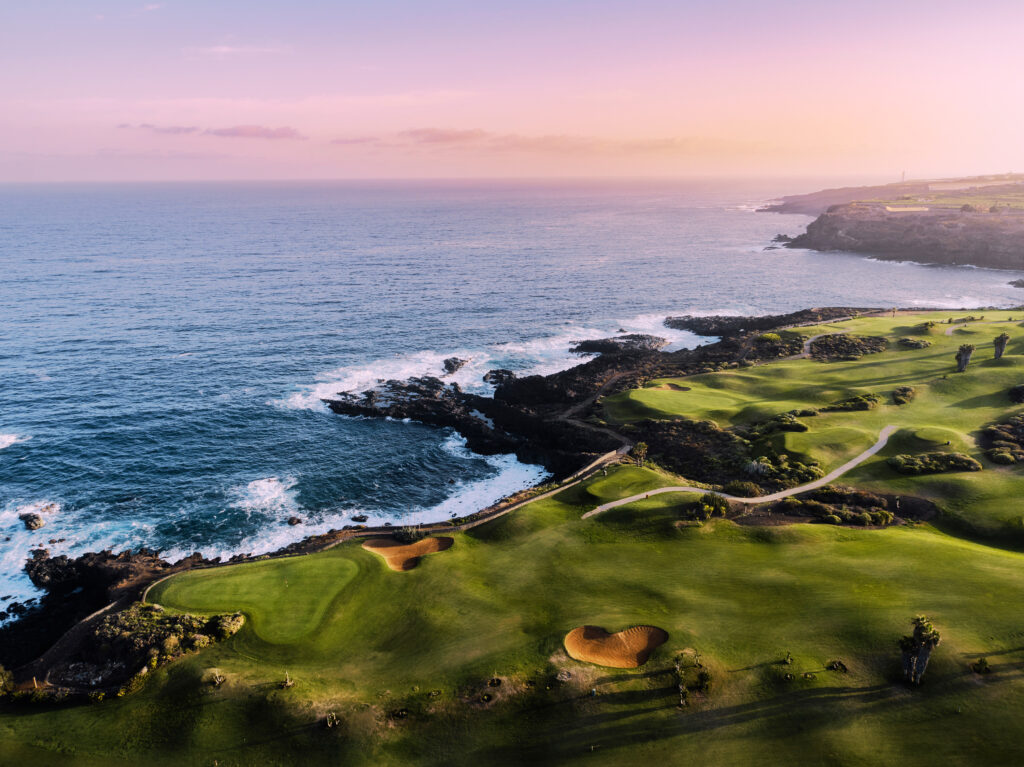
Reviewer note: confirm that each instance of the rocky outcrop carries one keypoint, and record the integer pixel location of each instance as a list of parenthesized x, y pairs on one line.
[(941, 236), (32, 521), (453, 365), (732, 325), (843, 346), (632, 342)]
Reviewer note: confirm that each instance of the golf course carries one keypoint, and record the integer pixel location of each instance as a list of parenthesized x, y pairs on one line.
[(748, 638)]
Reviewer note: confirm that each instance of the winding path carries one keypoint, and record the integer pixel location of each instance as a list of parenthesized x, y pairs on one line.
[(883, 439), (964, 325)]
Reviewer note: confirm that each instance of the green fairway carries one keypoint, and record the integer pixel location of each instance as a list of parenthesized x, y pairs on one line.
[(947, 408), (405, 659)]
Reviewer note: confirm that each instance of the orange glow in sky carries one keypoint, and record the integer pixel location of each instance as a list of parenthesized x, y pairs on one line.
[(184, 89)]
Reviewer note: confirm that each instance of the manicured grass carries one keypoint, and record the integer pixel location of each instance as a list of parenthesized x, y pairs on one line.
[(948, 407), (263, 590), (366, 642), (498, 604)]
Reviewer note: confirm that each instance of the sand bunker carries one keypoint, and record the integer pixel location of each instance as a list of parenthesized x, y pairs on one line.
[(628, 648), (672, 387), (405, 556)]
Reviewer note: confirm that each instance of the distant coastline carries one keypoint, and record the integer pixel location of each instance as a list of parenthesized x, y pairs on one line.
[(976, 221)]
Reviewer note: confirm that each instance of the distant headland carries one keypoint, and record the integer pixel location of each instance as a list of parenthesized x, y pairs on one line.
[(977, 221)]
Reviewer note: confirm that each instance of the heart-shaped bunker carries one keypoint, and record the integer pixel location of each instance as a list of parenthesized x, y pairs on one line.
[(628, 648)]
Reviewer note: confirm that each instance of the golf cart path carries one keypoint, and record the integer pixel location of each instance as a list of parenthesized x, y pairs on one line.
[(964, 325), (883, 439)]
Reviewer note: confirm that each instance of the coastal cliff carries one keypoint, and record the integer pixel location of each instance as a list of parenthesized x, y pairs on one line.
[(989, 239), (977, 221)]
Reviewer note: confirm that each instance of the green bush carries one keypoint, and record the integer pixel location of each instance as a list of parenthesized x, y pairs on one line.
[(914, 343), (933, 463), (901, 395), (769, 338), (743, 489), (408, 535), (860, 402)]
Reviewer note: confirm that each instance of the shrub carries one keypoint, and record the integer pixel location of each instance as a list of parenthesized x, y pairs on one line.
[(933, 463), (914, 343), (769, 338), (711, 505), (1017, 394), (743, 489), (408, 535), (831, 519), (6, 682), (901, 395), (806, 412), (860, 402), (224, 626)]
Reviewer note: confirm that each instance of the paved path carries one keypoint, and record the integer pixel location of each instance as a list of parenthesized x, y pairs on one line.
[(963, 325), (883, 438)]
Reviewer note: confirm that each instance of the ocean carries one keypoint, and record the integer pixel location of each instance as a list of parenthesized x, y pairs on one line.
[(164, 347)]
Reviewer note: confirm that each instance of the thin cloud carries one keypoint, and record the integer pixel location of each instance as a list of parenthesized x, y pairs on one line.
[(174, 130), (255, 131), (150, 7), (477, 140), (445, 136), (236, 131)]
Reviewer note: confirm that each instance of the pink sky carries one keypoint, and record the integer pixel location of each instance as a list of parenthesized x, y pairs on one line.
[(230, 90)]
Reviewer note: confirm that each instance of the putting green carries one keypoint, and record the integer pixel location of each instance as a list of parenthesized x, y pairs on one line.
[(284, 599)]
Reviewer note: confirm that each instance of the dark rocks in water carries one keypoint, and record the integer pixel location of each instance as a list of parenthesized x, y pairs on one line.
[(782, 238), (499, 376), (294, 521), (32, 521), (631, 342), (724, 325), (843, 346), (1016, 283), (359, 518), (453, 364)]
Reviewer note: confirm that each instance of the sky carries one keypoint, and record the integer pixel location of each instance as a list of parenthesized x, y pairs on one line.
[(318, 89)]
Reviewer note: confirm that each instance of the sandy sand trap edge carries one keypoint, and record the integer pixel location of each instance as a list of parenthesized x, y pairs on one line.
[(405, 556), (628, 648)]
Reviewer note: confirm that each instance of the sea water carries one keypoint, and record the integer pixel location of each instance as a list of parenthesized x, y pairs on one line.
[(164, 347)]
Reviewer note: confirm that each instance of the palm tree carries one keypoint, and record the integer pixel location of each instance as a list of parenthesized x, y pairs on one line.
[(963, 357), (1000, 344), (640, 453), (917, 648)]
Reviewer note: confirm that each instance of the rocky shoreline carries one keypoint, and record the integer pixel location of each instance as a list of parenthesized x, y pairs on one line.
[(538, 418)]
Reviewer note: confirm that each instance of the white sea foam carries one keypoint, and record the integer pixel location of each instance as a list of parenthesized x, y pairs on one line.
[(268, 494), (542, 355), (275, 499), (6, 440), (18, 541)]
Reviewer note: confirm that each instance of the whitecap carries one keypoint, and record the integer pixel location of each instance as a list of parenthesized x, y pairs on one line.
[(6, 440)]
